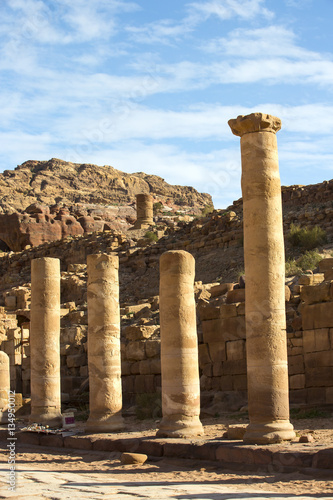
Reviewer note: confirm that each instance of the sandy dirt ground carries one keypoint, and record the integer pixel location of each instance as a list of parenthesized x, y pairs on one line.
[(60, 474)]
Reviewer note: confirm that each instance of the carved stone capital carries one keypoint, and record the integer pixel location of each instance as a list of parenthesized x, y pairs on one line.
[(255, 122)]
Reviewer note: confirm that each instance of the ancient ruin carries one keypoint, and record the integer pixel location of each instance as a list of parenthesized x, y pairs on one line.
[(179, 347), (144, 210), (105, 397), (45, 341), (220, 295), (265, 315)]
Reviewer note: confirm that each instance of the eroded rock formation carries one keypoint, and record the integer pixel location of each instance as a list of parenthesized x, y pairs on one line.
[(58, 181), (46, 201)]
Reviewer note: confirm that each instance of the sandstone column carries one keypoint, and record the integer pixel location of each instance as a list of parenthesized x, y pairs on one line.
[(179, 347), (105, 397), (4, 385), (266, 347), (45, 341), (144, 210)]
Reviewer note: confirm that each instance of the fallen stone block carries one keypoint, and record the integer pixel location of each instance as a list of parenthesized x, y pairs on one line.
[(236, 432), (133, 458)]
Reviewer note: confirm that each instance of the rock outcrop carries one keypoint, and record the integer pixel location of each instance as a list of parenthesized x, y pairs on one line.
[(57, 181), (40, 224), (68, 199), (36, 226)]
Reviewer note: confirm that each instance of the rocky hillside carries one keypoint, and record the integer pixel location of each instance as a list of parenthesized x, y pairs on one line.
[(216, 242), (59, 182)]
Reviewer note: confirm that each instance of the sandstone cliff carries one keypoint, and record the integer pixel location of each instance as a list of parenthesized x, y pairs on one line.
[(56, 181)]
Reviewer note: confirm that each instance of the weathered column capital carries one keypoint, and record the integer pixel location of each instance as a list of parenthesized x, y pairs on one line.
[(255, 122)]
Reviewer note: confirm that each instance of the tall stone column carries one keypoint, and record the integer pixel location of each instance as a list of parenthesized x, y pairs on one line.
[(144, 210), (4, 385), (179, 347), (266, 345), (45, 341), (104, 364)]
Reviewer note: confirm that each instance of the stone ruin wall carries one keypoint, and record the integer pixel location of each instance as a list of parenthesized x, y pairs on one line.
[(222, 350), (309, 315)]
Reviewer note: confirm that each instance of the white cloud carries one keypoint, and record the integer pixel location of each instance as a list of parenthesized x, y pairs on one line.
[(144, 124), (21, 146), (165, 31), (64, 21), (270, 41), (300, 4), (274, 71), (226, 9), (268, 55), (307, 119), (169, 31)]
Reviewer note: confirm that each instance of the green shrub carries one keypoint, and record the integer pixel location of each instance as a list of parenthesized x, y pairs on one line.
[(309, 260), (207, 210), (292, 268), (151, 236), (240, 272), (157, 207), (303, 237)]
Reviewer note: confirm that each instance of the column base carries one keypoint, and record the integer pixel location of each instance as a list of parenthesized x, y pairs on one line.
[(109, 423), (272, 432), (52, 418), (180, 428)]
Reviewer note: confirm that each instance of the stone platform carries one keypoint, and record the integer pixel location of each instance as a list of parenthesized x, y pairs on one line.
[(232, 455)]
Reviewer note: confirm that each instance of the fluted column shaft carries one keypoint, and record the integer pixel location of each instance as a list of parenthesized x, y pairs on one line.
[(266, 347)]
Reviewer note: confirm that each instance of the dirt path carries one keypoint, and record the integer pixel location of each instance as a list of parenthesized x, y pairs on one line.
[(60, 474), (57, 474)]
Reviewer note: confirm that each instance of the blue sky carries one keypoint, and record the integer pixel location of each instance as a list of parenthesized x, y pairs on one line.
[(150, 85)]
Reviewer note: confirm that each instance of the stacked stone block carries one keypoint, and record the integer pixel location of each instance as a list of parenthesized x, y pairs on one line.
[(222, 355), (317, 324), (141, 362), (73, 350)]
